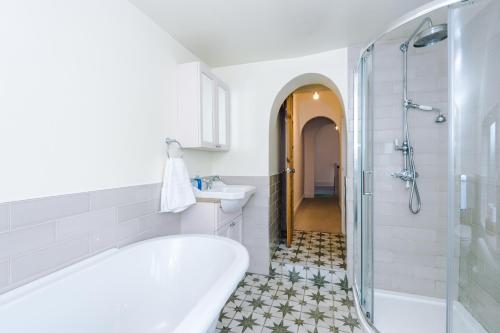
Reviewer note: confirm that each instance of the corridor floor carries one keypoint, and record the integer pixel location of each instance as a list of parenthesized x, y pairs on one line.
[(319, 214), (306, 291)]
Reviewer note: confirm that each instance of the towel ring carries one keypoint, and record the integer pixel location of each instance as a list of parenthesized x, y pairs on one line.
[(169, 141)]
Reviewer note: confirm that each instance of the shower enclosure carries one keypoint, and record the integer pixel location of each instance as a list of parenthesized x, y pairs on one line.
[(436, 266)]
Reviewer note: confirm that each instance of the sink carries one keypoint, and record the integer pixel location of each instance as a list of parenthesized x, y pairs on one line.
[(232, 197)]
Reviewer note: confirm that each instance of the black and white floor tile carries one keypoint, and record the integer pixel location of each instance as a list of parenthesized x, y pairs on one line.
[(306, 291)]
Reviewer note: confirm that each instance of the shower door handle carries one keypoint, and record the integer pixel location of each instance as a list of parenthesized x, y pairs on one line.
[(463, 192), (366, 190)]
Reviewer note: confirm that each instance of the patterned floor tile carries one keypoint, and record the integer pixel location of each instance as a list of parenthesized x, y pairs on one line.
[(307, 291)]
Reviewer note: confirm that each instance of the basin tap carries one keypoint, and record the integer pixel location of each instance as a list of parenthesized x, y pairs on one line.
[(216, 178), (210, 181)]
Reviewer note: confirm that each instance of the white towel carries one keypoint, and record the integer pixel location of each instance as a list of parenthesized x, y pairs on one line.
[(176, 192)]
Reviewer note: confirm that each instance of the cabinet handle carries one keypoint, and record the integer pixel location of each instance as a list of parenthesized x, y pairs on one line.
[(218, 146)]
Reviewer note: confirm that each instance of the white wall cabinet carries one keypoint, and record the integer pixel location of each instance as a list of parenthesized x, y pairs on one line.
[(208, 218), (203, 108)]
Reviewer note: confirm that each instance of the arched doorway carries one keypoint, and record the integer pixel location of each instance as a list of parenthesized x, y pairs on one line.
[(318, 97)]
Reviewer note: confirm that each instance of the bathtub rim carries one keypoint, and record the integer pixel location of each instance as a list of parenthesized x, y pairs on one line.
[(206, 311), (199, 317)]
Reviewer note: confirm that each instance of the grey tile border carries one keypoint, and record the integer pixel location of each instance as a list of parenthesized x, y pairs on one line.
[(135, 210), (256, 221), (85, 223), (49, 259), (29, 212), (4, 273), (275, 211), (80, 225), (27, 239), (122, 196), (4, 217)]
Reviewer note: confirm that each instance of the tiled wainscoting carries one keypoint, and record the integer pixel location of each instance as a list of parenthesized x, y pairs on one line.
[(39, 236), (256, 222), (275, 211)]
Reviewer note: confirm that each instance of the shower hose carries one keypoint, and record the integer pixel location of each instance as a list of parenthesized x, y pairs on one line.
[(414, 194)]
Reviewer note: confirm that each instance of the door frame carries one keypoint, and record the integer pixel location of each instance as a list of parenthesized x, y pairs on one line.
[(289, 169)]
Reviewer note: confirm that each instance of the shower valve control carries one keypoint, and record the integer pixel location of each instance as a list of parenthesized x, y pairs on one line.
[(405, 175), (403, 147)]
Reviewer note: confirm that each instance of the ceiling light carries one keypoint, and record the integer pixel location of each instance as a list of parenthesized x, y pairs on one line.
[(315, 96), (336, 128)]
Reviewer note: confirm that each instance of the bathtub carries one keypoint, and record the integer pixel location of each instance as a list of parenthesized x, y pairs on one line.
[(171, 284)]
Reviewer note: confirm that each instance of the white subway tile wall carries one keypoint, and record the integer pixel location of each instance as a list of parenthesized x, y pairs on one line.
[(409, 250), (40, 236)]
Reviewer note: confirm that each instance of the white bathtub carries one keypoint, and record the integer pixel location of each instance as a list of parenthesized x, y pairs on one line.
[(171, 284)]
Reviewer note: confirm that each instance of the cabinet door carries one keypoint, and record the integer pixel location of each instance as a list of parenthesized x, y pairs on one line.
[(222, 117), (207, 109)]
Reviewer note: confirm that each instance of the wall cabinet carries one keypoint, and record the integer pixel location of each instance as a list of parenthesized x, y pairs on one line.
[(203, 108), (209, 218)]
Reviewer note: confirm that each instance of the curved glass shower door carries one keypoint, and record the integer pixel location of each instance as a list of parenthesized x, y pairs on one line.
[(363, 184), (474, 229)]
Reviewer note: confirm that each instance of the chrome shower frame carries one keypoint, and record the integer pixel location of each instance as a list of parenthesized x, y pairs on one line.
[(367, 324), (409, 173)]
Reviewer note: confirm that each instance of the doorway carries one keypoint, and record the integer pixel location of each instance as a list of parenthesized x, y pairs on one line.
[(311, 121), (318, 208)]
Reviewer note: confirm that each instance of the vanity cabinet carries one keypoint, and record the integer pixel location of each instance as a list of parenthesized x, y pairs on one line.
[(209, 218), (203, 108)]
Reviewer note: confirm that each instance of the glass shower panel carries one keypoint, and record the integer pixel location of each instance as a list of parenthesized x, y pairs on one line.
[(356, 183), (363, 233), (474, 273)]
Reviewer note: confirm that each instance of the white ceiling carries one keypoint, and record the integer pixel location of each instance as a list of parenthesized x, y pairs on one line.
[(225, 32)]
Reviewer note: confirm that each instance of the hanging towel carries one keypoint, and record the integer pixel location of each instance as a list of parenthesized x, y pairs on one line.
[(176, 192)]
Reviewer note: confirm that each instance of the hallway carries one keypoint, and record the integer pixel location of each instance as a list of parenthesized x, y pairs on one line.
[(321, 214)]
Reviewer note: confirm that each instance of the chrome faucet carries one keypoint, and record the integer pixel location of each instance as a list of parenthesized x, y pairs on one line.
[(210, 181)]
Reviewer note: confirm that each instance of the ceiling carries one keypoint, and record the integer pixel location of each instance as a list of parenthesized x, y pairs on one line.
[(226, 32)]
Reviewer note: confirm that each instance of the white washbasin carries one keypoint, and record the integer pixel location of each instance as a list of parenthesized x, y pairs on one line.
[(232, 197)]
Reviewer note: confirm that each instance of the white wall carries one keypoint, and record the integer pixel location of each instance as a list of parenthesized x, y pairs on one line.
[(327, 155), (257, 91), (309, 134), (328, 106), (86, 90)]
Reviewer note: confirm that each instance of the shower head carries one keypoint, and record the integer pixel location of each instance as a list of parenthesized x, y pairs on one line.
[(432, 35), (440, 118)]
